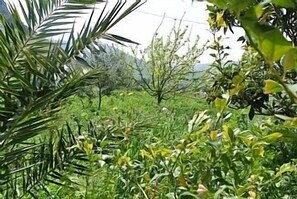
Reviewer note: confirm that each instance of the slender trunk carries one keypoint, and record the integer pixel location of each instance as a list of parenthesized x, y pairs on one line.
[(99, 98), (159, 98)]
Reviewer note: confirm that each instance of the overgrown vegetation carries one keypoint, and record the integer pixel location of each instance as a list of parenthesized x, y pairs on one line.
[(236, 141)]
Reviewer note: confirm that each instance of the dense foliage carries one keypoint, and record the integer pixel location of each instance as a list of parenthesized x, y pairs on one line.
[(269, 55), (53, 144), (148, 151)]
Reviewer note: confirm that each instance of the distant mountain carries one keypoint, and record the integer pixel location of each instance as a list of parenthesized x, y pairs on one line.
[(109, 50), (201, 67), (4, 10)]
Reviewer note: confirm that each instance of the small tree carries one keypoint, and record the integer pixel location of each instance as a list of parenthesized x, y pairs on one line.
[(113, 63), (167, 64)]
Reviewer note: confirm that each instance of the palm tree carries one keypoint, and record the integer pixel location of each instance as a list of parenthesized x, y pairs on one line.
[(35, 79)]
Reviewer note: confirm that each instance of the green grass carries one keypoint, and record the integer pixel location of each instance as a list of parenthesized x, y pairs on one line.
[(126, 106), (135, 116), (143, 141)]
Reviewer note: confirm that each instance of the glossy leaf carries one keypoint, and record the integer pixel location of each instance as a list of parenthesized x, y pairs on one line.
[(269, 40), (290, 60), (273, 45), (272, 86)]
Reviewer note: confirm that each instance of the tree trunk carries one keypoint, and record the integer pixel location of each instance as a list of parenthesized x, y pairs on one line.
[(159, 98), (99, 98)]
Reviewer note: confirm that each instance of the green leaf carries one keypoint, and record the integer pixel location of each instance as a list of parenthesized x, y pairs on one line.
[(123, 39), (237, 79), (228, 133), (220, 104), (235, 90), (237, 6), (273, 45), (258, 9), (267, 39), (290, 60), (285, 168), (247, 140), (220, 20), (213, 135), (273, 136), (284, 3), (252, 15), (272, 87)]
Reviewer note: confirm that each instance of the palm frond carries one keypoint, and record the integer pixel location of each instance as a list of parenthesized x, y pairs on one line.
[(35, 77)]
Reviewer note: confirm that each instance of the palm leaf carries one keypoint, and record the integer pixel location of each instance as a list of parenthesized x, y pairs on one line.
[(35, 76)]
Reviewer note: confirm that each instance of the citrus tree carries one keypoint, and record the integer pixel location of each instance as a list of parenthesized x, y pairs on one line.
[(36, 79), (269, 60), (167, 64)]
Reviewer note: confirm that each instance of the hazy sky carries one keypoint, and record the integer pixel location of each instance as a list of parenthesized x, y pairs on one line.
[(141, 25)]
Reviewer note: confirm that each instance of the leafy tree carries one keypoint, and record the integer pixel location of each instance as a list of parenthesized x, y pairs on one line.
[(271, 64), (264, 79), (243, 80), (113, 63), (167, 64), (279, 14), (35, 80)]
